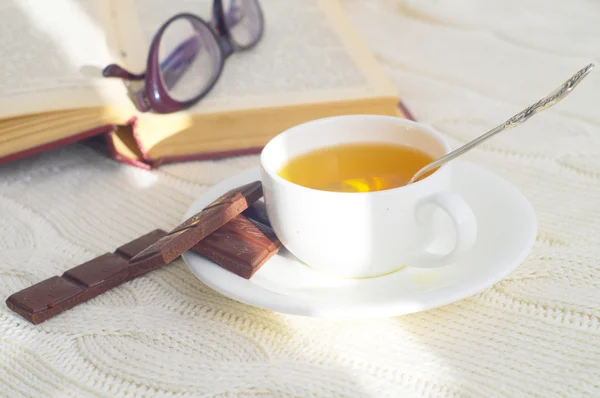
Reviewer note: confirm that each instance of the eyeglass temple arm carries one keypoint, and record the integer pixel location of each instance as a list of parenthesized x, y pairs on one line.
[(114, 70)]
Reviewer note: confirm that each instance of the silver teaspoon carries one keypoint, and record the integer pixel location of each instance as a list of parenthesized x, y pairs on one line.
[(546, 102)]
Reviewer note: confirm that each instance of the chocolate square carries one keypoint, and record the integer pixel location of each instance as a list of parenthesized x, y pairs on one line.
[(99, 270), (45, 294), (241, 246)]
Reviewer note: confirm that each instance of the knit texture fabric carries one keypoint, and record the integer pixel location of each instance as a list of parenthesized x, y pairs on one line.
[(462, 67)]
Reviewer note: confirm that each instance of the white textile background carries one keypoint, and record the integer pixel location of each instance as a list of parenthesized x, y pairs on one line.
[(463, 67)]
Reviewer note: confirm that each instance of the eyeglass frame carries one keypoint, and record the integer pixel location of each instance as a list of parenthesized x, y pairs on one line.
[(154, 96)]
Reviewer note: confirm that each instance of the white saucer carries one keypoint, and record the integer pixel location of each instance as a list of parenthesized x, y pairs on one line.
[(506, 232)]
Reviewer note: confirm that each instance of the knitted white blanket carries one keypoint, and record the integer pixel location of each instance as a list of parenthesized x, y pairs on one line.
[(462, 66)]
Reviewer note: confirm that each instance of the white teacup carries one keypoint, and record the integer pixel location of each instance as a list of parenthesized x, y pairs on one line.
[(363, 234)]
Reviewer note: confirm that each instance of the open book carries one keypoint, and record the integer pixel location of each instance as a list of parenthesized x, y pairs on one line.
[(309, 64)]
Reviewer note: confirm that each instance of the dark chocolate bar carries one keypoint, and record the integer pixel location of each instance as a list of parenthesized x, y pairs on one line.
[(258, 212), (238, 244), (241, 246), (196, 228), (46, 299)]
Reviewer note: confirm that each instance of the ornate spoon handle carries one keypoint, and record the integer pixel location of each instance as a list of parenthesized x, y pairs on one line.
[(546, 102)]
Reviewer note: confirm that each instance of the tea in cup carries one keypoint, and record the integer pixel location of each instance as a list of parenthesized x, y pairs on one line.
[(337, 195)]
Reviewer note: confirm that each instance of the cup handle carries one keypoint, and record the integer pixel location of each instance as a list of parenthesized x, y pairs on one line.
[(465, 227)]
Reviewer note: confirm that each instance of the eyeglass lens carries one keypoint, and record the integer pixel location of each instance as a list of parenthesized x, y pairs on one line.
[(189, 58), (243, 21)]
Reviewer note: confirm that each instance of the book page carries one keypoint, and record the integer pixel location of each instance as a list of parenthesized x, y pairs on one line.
[(52, 56), (308, 53)]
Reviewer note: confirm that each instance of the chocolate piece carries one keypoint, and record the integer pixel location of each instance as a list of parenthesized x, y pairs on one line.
[(45, 299), (230, 204), (108, 269), (241, 246), (196, 228), (258, 212), (52, 296), (132, 248)]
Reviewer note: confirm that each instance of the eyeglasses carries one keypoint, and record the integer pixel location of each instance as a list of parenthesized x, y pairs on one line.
[(187, 55)]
